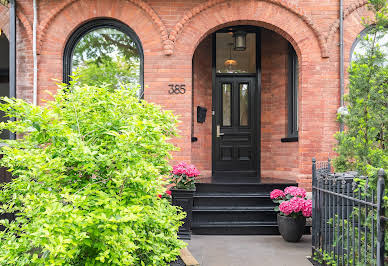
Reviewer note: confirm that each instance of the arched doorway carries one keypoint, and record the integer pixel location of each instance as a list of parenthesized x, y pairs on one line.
[(251, 93)]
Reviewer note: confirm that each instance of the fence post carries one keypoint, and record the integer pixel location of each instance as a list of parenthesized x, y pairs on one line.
[(314, 227), (380, 220)]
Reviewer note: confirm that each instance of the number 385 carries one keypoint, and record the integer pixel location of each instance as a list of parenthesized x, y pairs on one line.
[(177, 88)]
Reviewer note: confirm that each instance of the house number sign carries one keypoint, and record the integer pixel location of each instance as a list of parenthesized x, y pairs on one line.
[(177, 89)]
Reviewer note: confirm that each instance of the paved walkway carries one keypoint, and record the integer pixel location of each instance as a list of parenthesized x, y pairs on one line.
[(249, 250)]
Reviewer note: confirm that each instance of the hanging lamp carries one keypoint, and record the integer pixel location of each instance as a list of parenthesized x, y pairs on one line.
[(229, 63), (240, 40)]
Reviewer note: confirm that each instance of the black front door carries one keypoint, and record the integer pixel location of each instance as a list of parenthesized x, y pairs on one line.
[(235, 127)]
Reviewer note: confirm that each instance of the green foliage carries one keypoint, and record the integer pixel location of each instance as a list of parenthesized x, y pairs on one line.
[(104, 44), (363, 145), (88, 169), (113, 72), (106, 56)]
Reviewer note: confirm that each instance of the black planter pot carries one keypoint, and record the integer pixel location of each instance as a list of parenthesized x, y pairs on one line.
[(184, 199), (291, 228)]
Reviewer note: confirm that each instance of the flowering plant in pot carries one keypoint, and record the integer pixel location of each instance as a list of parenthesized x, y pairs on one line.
[(183, 176), (183, 187), (293, 210)]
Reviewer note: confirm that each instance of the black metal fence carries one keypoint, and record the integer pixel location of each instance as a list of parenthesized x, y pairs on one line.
[(348, 223)]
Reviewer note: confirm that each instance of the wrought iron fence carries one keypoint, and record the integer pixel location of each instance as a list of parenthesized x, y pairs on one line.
[(348, 223)]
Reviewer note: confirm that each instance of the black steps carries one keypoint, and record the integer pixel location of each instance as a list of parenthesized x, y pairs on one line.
[(237, 228), (235, 209)]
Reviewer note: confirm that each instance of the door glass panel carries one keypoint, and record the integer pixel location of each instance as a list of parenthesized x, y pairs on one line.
[(226, 104), (244, 104), (230, 60)]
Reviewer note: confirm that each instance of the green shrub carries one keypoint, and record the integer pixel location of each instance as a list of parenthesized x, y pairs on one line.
[(88, 170), (363, 144)]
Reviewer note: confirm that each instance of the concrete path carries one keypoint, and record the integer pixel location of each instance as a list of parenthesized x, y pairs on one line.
[(249, 251)]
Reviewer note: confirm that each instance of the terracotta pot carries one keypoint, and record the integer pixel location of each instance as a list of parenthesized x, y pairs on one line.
[(291, 228)]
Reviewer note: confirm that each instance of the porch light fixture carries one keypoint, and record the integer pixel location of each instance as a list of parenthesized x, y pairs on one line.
[(230, 63), (240, 40)]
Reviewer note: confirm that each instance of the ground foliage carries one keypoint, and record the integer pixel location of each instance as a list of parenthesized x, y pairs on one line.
[(363, 146), (88, 169)]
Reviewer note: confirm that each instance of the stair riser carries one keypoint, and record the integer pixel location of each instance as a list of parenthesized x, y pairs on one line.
[(238, 188), (232, 202), (243, 230), (256, 230), (252, 216)]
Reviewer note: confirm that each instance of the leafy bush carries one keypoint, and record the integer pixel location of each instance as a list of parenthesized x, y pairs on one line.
[(363, 144), (88, 169)]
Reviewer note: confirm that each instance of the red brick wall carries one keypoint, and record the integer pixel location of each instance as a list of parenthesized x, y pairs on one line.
[(170, 32), (278, 160), (201, 151)]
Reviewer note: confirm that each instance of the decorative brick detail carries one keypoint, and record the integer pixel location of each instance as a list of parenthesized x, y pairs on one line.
[(4, 21), (141, 4), (334, 28), (174, 34)]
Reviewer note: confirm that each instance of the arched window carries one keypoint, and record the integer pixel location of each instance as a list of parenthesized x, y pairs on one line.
[(104, 51), (359, 49)]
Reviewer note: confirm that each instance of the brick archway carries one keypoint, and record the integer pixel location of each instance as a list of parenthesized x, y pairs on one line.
[(308, 47), (144, 6), (76, 14), (284, 19)]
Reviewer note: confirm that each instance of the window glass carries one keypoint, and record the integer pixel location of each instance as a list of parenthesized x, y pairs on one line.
[(359, 48), (228, 60), (226, 104), (244, 104), (106, 55)]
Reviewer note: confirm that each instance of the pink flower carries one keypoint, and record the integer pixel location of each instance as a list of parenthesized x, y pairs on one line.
[(297, 204), (168, 192), (277, 193), (307, 208), (185, 169), (285, 207), (295, 191)]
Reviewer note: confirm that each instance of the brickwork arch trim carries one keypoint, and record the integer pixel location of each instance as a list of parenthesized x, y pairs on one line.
[(334, 27), (139, 3), (23, 20), (178, 28)]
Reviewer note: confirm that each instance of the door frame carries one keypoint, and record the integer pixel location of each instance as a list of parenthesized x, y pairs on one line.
[(257, 100)]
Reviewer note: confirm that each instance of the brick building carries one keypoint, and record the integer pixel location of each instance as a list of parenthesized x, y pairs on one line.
[(267, 72)]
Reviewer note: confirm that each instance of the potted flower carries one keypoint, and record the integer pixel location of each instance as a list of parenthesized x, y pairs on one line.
[(183, 187), (293, 210)]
